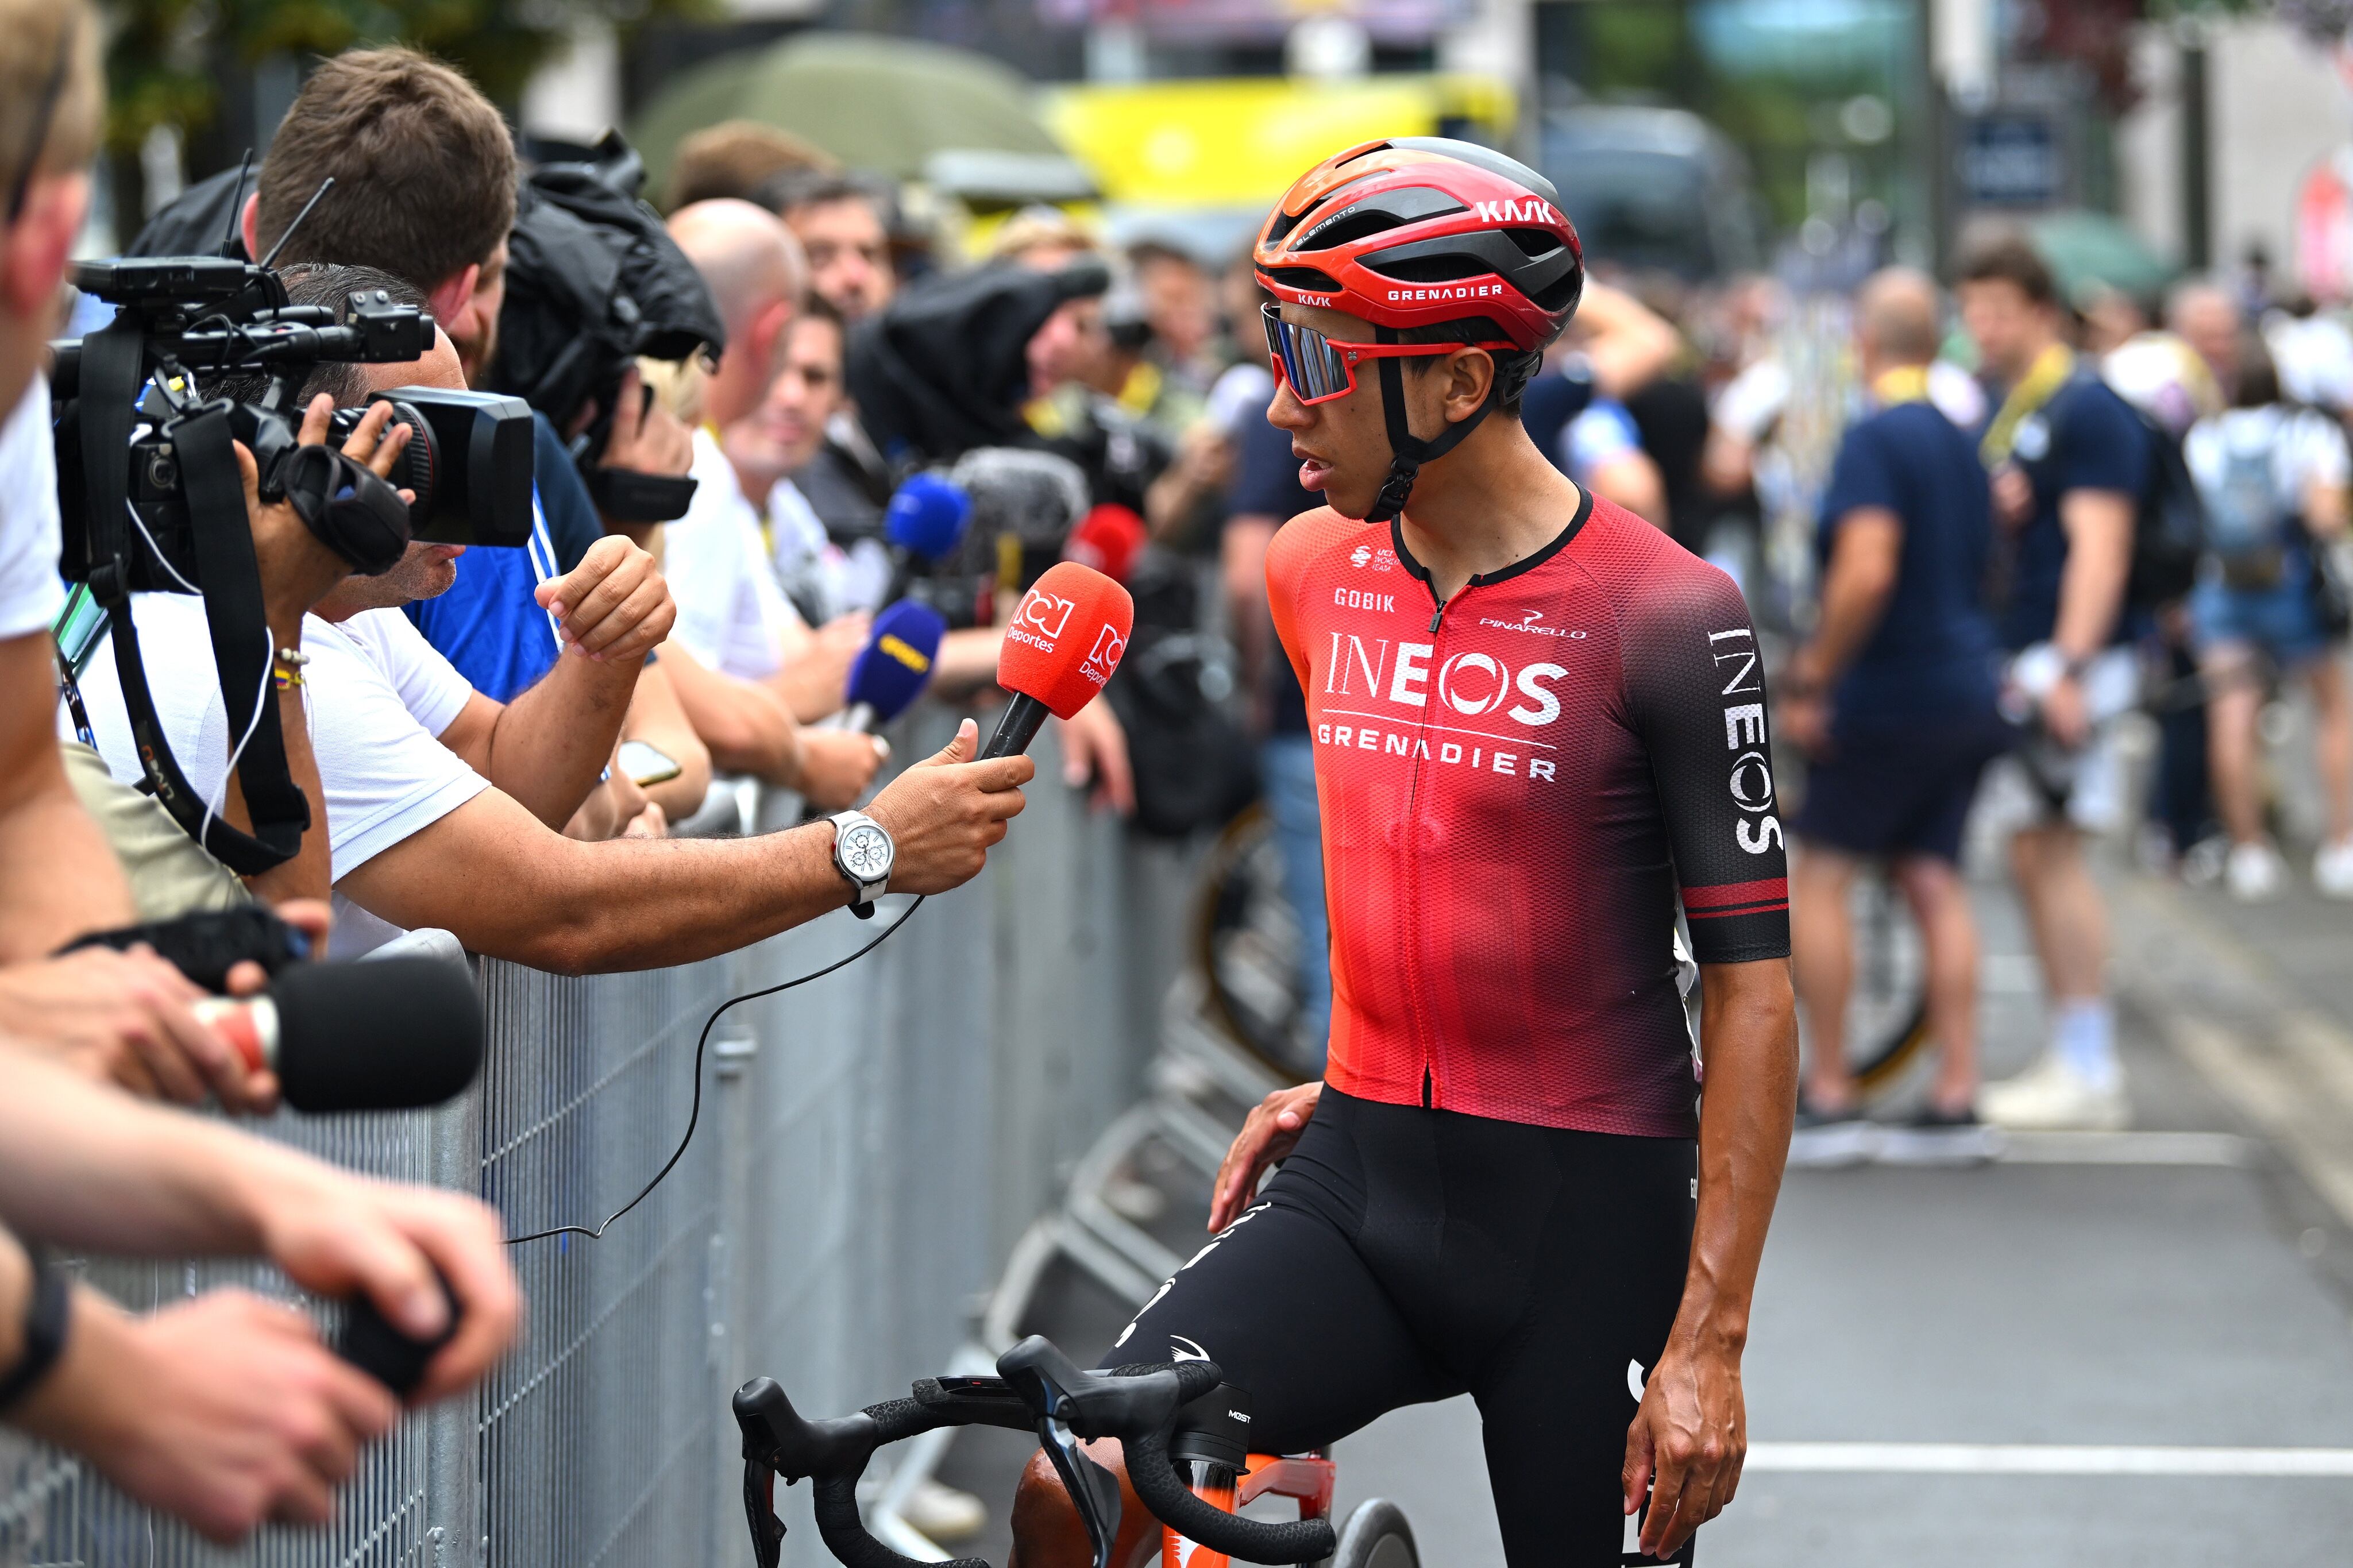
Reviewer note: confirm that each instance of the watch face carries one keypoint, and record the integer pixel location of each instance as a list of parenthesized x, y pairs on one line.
[(866, 852)]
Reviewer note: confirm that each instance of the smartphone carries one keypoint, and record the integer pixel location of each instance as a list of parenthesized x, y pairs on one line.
[(646, 765)]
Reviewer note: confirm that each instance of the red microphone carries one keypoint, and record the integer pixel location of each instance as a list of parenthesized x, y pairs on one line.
[(1108, 539), (1063, 644)]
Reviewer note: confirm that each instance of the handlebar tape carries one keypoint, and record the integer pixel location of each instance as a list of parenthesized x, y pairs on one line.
[(1163, 1492), (839, 1521)]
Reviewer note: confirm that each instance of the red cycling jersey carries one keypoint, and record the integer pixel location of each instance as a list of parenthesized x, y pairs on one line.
[(1514, 787)]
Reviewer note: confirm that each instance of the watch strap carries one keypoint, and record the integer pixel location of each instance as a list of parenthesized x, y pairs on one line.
[(47, 1310), (843, 821)]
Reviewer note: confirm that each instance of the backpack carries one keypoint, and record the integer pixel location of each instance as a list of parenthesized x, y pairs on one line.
[(2245, 523), (2169, 531)]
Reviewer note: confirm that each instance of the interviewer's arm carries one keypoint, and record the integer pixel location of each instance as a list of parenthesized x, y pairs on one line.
[(62, 879), (511, 888), (1691, 1434)]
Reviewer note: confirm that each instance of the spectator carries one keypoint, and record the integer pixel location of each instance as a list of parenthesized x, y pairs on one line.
[(734, 619), (226, 1411), (2069, 463), (1614, 346), (844, 229), (2272, 475), (1894, 700), (735, 159), (1180, 303), (781, 437)]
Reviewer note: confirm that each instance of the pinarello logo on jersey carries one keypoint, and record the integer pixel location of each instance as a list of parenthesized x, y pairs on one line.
[(1041, 621), (1533, 623), (1104, 657)]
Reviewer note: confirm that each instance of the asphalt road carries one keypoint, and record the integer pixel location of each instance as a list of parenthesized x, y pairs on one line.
[(2132, 1349)]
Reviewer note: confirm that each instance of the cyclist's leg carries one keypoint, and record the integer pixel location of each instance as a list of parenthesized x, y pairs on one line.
[(1559, 1393), (1285, 1304)]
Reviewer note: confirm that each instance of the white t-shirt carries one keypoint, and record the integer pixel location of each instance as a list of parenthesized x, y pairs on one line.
[(2293, 447), (816, 569), (30, 591), (378, 698), (732, 615)]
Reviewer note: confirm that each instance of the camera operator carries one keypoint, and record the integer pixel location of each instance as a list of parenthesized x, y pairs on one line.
[(377, 679), (226, 1411)]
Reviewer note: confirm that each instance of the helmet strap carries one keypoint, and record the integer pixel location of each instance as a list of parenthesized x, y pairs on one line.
[(1409, 452)]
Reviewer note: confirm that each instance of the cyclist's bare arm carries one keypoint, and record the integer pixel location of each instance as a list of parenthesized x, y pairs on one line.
[(1691, 1435)]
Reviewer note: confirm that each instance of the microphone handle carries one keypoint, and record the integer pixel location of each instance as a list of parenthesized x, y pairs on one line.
[(1017, 729), (859, 718)]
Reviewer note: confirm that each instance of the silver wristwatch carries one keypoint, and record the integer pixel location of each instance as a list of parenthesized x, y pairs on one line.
[(863, 853)]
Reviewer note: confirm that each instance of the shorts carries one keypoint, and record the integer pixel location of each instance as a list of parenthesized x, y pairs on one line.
[(2281, 620), (1899, 792), (2037, 784), (1402, 1255)]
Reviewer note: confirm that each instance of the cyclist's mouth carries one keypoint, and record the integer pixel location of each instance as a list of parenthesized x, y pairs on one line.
[(1312, 470)]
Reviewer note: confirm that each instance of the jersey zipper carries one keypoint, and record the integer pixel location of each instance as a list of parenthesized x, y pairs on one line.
[(1415, 952)]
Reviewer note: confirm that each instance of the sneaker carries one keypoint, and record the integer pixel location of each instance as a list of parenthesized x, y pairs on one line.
[(1936, 1137), (2051, 1097), (1828, 1138), (942, 1513), (2332, 870), (2254, 873)]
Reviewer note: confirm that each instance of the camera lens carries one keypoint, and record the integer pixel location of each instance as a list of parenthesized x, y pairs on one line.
[(419, 461)]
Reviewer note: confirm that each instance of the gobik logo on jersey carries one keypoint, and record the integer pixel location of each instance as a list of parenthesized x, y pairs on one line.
[(1743, 736), (1104, 657), (1040, 620)]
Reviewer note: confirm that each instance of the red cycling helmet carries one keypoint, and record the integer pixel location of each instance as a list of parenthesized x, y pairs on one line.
[(1417, 231)]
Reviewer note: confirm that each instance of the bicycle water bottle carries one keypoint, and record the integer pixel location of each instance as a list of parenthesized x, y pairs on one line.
[(1211, 1446)]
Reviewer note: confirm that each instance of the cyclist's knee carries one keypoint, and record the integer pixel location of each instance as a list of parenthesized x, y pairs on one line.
[(1047, 1530)]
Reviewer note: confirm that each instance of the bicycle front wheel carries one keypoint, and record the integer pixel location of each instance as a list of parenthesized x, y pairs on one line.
[(1377, 1536)]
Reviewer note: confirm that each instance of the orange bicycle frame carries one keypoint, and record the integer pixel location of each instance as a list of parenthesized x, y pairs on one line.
[(1307, 1478)]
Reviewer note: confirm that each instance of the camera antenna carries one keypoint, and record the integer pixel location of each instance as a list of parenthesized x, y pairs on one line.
[(324, 186), (237, 202)]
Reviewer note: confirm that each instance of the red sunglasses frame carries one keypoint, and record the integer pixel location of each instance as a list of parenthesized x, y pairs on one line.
[(1351, 351)]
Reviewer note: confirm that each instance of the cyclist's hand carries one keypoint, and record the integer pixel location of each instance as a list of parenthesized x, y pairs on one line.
[(1686, 1446), (945, 813), (1271, 1132)]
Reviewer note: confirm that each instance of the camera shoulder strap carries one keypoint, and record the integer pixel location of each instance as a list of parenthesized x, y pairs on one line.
[(111, 379)]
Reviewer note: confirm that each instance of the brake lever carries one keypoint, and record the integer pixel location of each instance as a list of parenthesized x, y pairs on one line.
[(760, 1508), (1095, 1492)]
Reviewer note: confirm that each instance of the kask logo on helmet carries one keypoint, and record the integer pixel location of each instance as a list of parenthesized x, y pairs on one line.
[(1533, 210)]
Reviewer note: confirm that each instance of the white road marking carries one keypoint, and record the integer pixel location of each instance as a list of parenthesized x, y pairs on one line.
[(2041, 1459)]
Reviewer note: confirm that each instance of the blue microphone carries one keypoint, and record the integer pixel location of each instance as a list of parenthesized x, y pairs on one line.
[(892, 670), (925, 523)]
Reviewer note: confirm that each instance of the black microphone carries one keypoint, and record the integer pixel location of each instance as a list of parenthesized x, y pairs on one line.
[(392, 1035)]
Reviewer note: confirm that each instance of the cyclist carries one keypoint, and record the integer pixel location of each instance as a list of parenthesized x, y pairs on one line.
[(1537, 719)]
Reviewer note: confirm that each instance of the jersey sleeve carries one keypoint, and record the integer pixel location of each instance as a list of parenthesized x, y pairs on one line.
[(1286, 559), (1860, 476), (2102, 445), (1695, 688)]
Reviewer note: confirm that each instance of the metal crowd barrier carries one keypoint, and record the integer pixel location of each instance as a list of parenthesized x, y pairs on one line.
[(872, 1146)]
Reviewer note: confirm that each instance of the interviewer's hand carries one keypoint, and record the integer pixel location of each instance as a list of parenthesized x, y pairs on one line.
[(124, 1018), (225, 1411), (943, 814), (838, 764), (1270, 1132), (341, 1234), (297, 567), (614, 606), (1688, 1442)]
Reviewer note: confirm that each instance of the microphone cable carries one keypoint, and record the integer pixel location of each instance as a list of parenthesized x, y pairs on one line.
[(694, 1112)]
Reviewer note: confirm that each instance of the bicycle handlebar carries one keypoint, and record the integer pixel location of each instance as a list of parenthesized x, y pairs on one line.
[(1038, 1389)]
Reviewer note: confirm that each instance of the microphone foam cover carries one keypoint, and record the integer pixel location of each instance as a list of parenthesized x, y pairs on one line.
[(892, 670), (927, 516), (386, 1036), (1107, 539), (1066, 637)]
